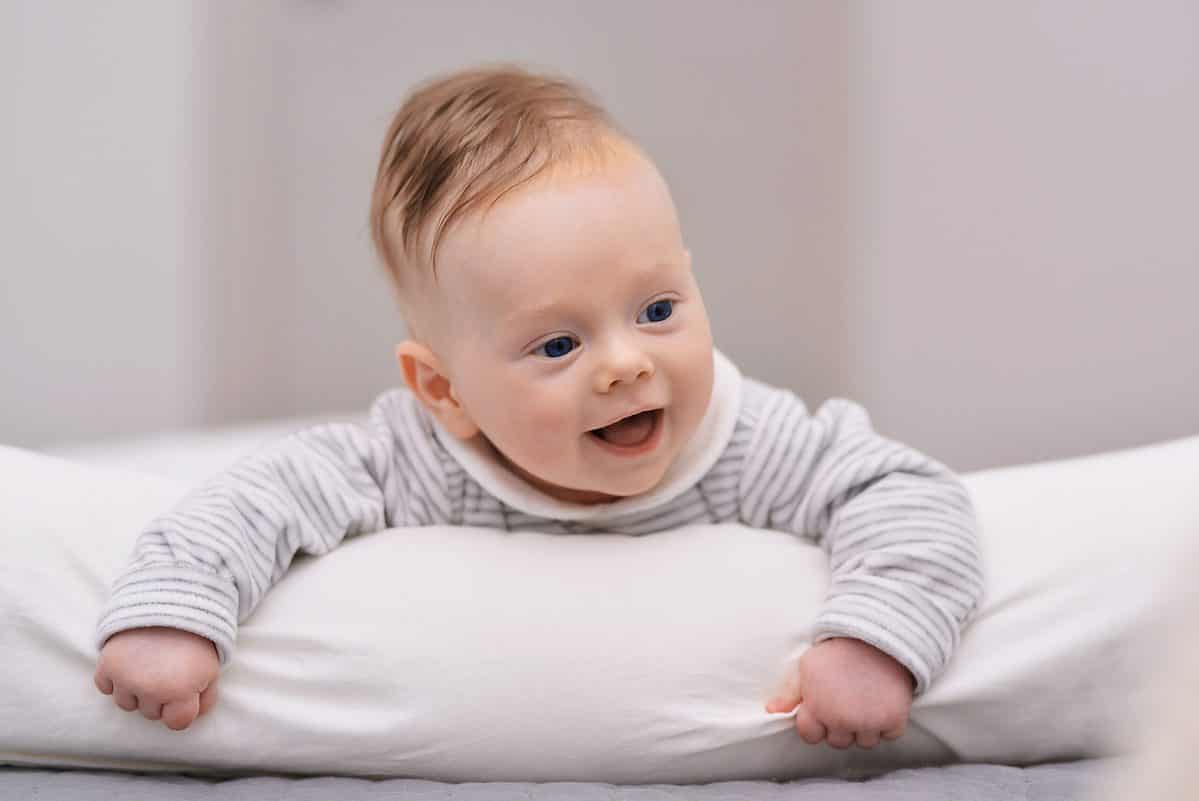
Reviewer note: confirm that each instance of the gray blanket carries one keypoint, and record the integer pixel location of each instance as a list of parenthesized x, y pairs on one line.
[(1071, 781)]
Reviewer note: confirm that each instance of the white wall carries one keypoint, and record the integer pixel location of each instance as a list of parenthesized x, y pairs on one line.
[(975, 218), (241, 211), (1025, 224), (742, 106), (96, 319)]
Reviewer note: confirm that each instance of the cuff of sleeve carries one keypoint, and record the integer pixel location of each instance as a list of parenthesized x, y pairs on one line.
[(176, 595), (910, 641)]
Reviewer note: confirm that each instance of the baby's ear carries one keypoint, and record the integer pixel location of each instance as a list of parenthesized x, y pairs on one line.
[(423, 374)]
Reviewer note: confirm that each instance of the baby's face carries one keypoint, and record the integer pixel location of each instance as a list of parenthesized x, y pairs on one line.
[(569, 306)]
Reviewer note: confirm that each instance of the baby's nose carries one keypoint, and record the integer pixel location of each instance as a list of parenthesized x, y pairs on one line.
[(624, 365)]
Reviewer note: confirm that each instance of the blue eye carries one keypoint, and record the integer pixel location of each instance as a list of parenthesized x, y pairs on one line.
[(657, 311), (557, 347)]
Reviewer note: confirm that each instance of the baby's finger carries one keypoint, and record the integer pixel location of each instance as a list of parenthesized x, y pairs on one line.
[(867, 739), (208, 698), (840, 739), (810, 729), (125, 699), (788, 696), (103, 683), (150, 709), (782, 704), (896, 733), (178, 715)]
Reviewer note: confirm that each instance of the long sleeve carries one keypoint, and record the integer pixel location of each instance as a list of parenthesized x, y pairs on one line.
[(899, 528), (205, 565)]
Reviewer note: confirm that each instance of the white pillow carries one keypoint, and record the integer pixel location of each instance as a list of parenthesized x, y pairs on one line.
[(468, 654)]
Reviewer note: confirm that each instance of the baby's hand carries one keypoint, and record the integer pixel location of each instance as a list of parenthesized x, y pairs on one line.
[(166, 674), (847, 691)]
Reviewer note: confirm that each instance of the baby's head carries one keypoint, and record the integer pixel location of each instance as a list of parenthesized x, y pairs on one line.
[(542, 273)]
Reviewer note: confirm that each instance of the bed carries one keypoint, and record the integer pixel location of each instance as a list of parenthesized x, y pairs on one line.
[(1055, 782), (1079, 769)]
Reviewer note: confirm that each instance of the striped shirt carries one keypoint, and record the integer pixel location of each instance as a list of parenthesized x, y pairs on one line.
[(898, 527)]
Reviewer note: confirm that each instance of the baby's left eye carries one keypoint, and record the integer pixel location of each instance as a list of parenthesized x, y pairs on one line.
[(656, 312)]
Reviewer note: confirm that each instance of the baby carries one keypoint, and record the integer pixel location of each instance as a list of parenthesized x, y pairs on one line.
[(561, 378)]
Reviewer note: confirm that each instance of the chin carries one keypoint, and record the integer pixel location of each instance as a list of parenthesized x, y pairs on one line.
[(636, 485)]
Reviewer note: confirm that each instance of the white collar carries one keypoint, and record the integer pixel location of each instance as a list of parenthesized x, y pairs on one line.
[(478, 458)]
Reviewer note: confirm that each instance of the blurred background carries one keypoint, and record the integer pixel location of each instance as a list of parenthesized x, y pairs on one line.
[(980, 220)]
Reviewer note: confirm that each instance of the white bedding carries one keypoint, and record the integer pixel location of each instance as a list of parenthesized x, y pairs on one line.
[(464, 654), (187, 456)]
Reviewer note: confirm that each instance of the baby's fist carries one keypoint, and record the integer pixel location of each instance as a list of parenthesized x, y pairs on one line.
[(847, 691), (166, 674)]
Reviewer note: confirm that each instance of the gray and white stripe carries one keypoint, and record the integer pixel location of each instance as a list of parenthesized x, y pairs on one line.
[(898, 527)]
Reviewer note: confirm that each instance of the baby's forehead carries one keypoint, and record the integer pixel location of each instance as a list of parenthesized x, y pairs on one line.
[(555, 217), (527, 297), (568, 233)]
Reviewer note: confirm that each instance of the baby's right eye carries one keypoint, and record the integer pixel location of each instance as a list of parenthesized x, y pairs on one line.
[(557, 347)]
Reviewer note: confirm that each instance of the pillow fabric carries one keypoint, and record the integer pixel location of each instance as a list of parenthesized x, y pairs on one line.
[(464, 654)]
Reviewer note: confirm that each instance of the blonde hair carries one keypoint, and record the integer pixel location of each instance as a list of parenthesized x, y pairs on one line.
[(463, 141)]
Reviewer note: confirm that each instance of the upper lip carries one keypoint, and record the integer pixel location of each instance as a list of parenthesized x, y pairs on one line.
[(648, 408)]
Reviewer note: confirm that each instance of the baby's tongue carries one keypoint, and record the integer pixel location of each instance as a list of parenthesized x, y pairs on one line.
[(629, 431)]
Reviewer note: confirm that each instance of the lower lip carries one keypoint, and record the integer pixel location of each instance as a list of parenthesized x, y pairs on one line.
[(651, 442)]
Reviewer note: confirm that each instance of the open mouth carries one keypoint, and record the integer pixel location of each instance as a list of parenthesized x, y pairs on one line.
[(634, 432)]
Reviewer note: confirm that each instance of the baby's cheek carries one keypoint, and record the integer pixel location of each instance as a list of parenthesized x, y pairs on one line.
[(691, 389), (548, 433)]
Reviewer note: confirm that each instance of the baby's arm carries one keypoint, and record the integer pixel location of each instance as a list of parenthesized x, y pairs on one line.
[(900, 532), (203, 567)]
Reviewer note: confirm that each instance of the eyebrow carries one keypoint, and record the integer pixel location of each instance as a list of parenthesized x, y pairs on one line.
[(527, 315)]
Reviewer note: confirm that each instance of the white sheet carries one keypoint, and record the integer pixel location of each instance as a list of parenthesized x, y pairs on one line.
[(463, 654), (187, 456)]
